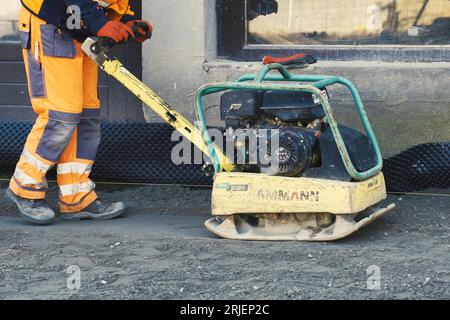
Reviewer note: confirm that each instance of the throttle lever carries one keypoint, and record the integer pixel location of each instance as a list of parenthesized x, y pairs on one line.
[(139, 36)]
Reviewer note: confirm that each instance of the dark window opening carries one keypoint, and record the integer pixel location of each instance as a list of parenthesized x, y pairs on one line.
[(384, 30)]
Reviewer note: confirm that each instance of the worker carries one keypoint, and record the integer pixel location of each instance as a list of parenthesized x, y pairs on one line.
[(62, 82)]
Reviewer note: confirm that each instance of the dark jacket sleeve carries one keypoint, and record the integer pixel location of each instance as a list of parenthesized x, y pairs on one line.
[(93, 17), (128, 17)]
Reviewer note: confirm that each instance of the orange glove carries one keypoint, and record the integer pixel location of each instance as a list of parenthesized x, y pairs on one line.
[(116, 30), (143, 30)]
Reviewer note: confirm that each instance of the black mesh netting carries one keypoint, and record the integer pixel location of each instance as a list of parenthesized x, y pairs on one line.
[(418, 168), (12, 139), (128, 153), (142, 153)]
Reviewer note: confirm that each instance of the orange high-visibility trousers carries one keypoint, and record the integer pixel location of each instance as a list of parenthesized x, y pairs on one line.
[(62, 83)]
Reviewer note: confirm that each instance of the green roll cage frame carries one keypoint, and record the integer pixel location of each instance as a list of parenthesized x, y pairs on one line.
[(315, 84)]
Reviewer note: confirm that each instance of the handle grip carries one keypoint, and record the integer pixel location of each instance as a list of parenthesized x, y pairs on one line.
[(105, 43), (139, 36), (300, 59)]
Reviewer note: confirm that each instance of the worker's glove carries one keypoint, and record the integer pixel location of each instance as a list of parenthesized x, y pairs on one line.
[(118, 31), (142, 29)]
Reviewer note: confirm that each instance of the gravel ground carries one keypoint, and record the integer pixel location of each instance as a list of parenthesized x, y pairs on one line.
[(160, 250)]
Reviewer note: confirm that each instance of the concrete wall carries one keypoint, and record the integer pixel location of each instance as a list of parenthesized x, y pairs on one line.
[(173, 60), (408, 103), (8, 20)]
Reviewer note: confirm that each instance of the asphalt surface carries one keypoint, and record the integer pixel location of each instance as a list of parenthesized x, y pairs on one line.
[(160, 250)]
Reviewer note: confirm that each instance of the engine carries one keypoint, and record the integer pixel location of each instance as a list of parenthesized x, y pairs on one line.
[(285, 133)]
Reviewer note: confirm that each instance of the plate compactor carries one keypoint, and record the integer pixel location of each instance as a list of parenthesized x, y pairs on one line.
[(324, 180)]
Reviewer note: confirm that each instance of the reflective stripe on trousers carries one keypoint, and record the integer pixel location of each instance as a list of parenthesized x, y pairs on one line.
[(62, 82)]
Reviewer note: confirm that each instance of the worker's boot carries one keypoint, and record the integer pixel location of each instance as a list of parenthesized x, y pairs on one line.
[(98, 210), (35, 211)]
